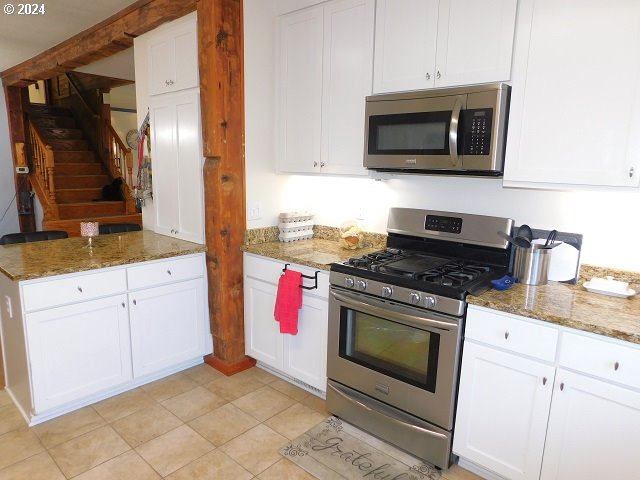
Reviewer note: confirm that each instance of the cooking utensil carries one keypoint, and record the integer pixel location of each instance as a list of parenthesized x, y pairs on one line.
[(518, 241), (525, 231), (551, 238)]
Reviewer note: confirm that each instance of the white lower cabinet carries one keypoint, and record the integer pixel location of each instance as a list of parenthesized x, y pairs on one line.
[(78, 350), (503, 407), (71, 340), (302, 356), (166, 325), (574, 415)]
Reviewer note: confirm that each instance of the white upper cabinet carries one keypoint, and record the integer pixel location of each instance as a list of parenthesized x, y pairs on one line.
[(173, 60), (575, 106), (324, 75), (438, 43)]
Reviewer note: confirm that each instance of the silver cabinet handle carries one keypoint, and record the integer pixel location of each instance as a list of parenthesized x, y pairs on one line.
[(321, 164), (427, 76), (122, 304), (438, 75), (544, 380), (506, 335), (616, 366), (315, 164), (632, 171), (135, 303), (80, 289), (561, 386), (169, 272)]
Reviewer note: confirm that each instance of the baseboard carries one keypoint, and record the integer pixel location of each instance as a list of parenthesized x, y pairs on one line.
[(298, 383), (478, 470)]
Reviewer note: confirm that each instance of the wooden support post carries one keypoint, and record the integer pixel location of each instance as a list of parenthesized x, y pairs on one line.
[(220, 43)]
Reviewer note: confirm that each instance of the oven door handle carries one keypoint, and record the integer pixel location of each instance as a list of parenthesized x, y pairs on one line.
[(411, 320), (453, 131), (387, 417)]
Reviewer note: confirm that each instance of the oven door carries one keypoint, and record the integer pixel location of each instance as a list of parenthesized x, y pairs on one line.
[(403, 356), (413, 134)]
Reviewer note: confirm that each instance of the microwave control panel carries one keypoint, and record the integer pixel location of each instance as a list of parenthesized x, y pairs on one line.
[(477, 131)]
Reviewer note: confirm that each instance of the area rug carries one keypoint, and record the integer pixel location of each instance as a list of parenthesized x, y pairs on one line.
[(336, 450)]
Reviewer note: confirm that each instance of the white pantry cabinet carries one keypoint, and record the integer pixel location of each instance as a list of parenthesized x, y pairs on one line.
[(537, 414), (423, 44), (173, 62), (325, 72), (302, 356), (569, 126), (70, 340), (176, 146)]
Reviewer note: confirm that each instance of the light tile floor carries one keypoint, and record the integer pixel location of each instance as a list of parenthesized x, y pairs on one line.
[(197, 424)]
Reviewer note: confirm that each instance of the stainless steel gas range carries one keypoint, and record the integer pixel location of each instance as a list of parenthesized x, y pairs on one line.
[(396, 321)]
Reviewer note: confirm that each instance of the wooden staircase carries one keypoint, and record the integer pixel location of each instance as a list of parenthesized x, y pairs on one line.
[(76, 176)]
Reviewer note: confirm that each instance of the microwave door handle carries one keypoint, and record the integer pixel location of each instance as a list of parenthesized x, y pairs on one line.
[(453, 131)]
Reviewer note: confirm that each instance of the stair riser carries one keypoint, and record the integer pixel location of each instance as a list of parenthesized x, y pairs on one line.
[(68, 144), (49, 110), (62, 133), (72, 227), (93, 210), (82, 195), (75, 157), (79, 169), (53, 122), (65, 181)]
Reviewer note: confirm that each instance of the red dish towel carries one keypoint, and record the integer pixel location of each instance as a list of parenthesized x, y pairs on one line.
[(288, 301)]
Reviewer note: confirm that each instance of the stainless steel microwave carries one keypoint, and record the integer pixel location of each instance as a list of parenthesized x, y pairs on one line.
[(449, 131)]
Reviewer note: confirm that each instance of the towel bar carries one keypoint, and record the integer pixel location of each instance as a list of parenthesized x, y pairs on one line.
[(315, 278)]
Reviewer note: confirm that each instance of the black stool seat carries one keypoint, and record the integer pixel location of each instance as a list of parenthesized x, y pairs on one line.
[(118, 228), (11, 238)]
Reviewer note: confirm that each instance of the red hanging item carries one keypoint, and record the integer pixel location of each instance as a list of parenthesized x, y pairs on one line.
[(288, 301)]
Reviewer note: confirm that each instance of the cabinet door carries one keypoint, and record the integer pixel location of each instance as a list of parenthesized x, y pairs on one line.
[(405, 45), (300, 91), (78, 350), (568, 124), (173, 57), (503, 406), (263, 340), (347, 72), (167, 325), (305, 354), (475, 41), (177, 165), (594, 430)]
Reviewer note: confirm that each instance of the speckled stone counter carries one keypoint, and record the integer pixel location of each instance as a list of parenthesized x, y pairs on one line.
[(572, 305), (24, 261)]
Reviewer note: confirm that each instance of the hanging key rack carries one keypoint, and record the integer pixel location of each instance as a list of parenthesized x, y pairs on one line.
[(314, 278)]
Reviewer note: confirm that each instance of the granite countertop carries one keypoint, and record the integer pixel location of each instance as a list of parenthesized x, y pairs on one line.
[(24, 261), (315, 253), (572, 306)]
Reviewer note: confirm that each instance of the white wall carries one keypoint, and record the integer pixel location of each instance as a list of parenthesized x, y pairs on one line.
[(7, 187), (595, 214)]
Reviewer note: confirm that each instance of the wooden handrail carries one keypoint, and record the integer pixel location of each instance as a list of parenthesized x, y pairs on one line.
[(42, 170), (83, 102), (120, 164)]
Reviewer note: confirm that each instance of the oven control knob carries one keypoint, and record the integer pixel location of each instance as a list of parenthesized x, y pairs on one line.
[(387, 292), (361, 285), (414, 298), (348, 282), (429, 301)]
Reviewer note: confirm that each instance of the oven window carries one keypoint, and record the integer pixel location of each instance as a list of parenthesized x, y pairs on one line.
[(409, 133), (394, 349)]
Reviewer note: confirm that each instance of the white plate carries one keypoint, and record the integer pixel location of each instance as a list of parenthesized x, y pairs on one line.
[(628, 293)]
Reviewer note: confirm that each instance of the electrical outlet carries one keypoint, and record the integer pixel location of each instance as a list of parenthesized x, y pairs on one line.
[(254, 211), (22, 169)]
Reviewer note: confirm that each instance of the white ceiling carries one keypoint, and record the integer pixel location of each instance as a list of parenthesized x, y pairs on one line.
[(23, 36)]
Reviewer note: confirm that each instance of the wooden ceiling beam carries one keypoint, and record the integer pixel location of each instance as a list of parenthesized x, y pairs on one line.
[(110, 36)]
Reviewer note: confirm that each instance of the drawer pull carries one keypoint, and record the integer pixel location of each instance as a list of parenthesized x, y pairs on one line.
[(122, 304), (616, 366), (134, 302), (561, 386), (80, 289), (544, 380), (506, 335), (169, 272)]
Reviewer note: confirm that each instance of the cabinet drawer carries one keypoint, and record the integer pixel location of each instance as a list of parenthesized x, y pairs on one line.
[(269, 270), (165, 271), (601, 358), (76, 288), (512, 333)]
